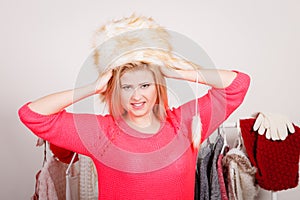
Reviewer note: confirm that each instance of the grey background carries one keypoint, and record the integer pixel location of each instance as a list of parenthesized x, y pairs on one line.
[(44, 43)]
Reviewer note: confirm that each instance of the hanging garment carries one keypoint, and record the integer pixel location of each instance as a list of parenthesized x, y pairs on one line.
[(72, 187), (277, 161), (36, 194), (72, 180), (62, 154), (202, 181), (88, 182), (50, 181), (240, 175), (223, 190), (215, 192)]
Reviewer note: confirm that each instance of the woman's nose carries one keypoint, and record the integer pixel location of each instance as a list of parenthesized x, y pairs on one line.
[(136, 95)]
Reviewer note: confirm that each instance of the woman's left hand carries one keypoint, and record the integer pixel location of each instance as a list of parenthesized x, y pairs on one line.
[(217, 78), (169, 72)]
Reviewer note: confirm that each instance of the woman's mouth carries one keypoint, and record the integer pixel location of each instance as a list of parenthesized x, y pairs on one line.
[(138, 105)]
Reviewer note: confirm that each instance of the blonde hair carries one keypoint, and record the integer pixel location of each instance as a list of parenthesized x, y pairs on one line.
[(112, 94)]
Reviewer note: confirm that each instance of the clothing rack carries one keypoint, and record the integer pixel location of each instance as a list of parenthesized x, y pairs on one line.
[(274, 195)]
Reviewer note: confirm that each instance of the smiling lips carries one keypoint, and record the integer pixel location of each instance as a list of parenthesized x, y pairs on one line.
[(138, 105)]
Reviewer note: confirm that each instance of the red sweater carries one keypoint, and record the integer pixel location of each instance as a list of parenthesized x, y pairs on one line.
[(133, 165)]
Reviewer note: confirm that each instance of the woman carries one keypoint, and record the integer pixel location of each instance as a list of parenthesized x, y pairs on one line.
[(142, 149), (139, 122)]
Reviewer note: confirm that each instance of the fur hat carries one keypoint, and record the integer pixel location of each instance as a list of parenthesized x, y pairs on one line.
[(139, 38), (135, 38)]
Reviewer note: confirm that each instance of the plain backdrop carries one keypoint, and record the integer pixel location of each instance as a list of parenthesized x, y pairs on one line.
[(44, 43)]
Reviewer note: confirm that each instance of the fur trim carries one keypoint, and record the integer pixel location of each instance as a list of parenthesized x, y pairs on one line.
[(196, 131), (240, 175), (135, 38)]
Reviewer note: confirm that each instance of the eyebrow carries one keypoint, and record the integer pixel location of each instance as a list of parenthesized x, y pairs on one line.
[(126, 84)]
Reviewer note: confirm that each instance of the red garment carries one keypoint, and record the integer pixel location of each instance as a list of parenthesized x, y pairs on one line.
[(277, 161), (62, 154), (221, 178), (134, 165)]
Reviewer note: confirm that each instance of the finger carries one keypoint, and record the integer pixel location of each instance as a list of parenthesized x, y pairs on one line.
[(261, 130), (258, 122), (282, 132), (268, 135), (290, 127), (268, 123), (274, 132)]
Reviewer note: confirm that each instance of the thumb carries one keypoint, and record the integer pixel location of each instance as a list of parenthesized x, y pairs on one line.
[(258, 122)]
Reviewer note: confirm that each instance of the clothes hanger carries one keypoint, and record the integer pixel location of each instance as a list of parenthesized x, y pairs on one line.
[(70, 164), (223, 134), (240, 142), (45, 153)]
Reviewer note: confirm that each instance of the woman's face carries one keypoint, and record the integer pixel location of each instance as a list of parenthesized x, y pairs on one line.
[(138, 92)]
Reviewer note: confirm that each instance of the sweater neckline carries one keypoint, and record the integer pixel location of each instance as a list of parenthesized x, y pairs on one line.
[(121, 123)]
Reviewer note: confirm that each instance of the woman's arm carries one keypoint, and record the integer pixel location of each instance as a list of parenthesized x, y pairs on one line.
[(47, 118), (216, 78), (56, 102), (219, 102)]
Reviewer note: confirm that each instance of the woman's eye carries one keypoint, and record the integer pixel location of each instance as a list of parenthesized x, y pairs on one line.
[(146, 85), (126, 87)]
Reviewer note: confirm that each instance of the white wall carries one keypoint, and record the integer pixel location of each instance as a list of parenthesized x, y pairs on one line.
[(43, 44)]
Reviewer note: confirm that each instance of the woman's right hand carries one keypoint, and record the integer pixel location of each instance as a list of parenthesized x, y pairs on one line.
[(55, 102), (101, 82)]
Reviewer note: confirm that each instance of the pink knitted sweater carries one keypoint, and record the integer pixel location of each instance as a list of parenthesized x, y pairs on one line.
[(134, 165)]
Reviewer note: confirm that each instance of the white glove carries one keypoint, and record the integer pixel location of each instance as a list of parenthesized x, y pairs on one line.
[(275, 126)]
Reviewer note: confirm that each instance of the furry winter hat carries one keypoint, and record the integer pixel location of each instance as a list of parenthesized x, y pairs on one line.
[(139, 38), (135, 38)]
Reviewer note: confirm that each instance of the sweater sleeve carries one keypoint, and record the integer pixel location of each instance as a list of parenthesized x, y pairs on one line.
[(215, 106), (74, 132)]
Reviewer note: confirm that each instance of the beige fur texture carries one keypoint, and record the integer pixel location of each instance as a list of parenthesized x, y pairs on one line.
[(135, 38)]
